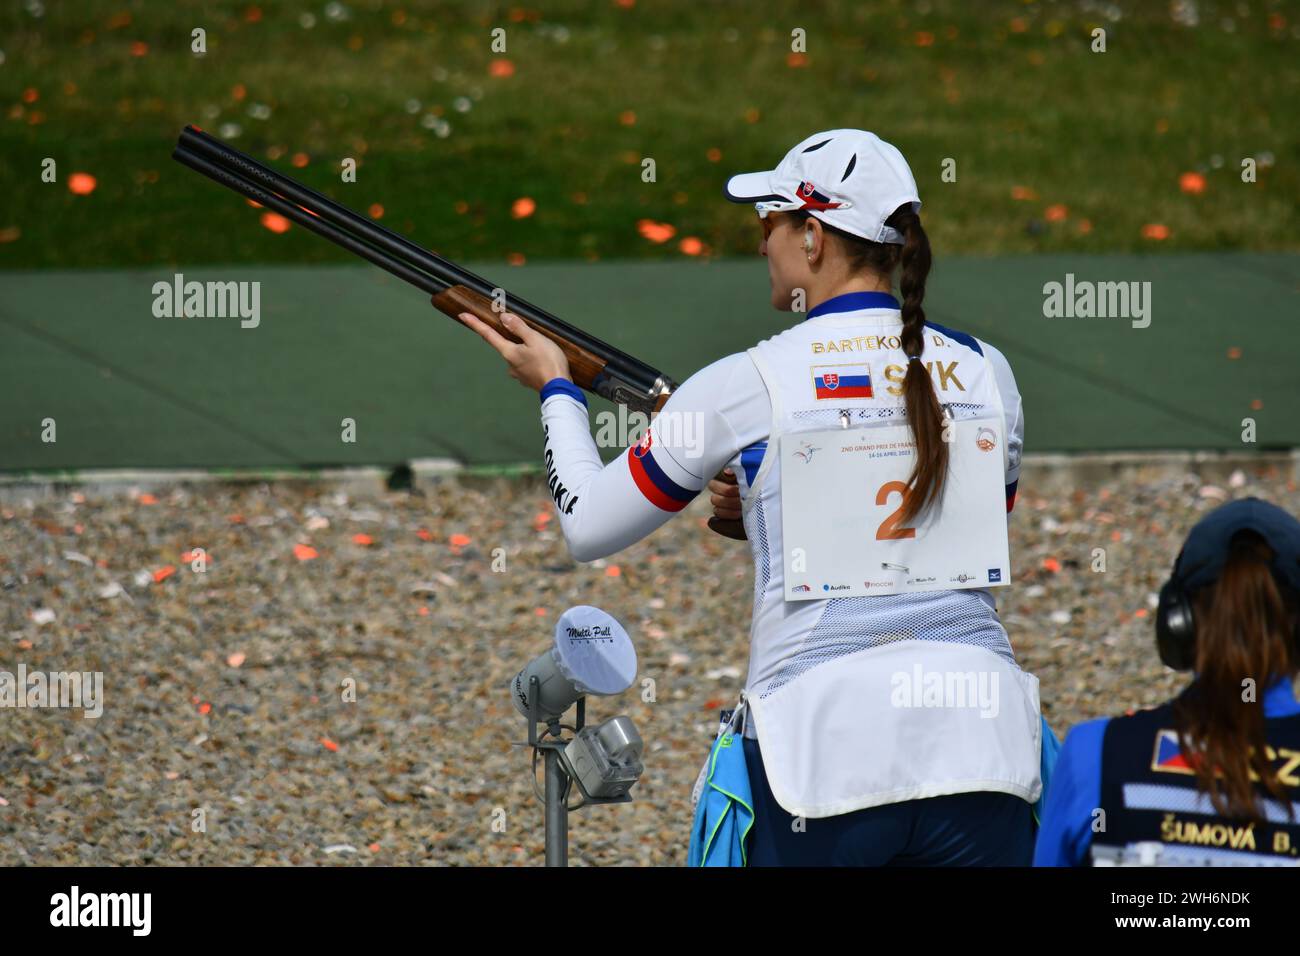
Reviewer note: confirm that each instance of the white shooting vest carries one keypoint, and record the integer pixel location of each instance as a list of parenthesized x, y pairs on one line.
[(863, 701)]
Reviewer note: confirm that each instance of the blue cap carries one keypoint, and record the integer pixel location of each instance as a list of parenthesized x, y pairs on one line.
[(1205, 551)]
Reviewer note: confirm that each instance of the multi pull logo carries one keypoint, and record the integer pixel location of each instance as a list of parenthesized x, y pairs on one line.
[(133, 910)]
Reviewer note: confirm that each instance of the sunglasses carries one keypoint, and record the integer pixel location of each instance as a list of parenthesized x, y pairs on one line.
[(783, 205), (769, 222)]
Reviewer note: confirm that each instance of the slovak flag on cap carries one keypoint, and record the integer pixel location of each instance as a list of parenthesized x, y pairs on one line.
[(849, 178), (812, 199)]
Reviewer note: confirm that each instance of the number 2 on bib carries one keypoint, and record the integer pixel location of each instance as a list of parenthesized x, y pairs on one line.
[(890, 529)]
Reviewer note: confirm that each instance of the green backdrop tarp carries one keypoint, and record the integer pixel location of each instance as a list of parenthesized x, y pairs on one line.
[(128, 389)]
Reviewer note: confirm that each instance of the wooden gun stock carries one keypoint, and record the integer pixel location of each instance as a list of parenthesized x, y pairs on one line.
[(584, 366)]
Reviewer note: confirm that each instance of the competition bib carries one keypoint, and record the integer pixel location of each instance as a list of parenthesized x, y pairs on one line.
[(841, 507)]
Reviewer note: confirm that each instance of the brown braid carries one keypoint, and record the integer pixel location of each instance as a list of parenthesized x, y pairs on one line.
[(924, 413)]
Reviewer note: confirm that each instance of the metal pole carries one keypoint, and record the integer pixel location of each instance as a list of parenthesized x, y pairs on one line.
[(557, 814)]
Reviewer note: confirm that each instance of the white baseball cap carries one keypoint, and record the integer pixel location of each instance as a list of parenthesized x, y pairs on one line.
[(848, 178)]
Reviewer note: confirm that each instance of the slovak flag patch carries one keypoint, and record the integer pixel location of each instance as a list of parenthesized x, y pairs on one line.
[(842, 381), (659, 489)]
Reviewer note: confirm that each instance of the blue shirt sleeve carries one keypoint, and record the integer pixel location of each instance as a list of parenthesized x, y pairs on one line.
[(1075, 793)]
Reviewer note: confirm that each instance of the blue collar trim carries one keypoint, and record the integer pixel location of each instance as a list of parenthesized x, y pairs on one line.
[(855, 302)]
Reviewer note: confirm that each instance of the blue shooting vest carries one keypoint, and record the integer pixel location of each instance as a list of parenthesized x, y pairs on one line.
[(1047, 763)]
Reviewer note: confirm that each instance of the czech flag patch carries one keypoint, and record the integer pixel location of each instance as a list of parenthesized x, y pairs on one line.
[(842, 381), (1168, 756)]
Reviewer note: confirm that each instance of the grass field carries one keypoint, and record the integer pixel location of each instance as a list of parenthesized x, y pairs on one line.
[(1057, 148)]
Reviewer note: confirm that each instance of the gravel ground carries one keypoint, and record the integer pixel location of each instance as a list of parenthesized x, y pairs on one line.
[(225, 689)]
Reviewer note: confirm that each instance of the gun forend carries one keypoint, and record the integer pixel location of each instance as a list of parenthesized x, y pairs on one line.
[(589, 370)]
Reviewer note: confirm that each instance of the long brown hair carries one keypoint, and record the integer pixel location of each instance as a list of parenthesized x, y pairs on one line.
[(924, 413), (1245, 628)]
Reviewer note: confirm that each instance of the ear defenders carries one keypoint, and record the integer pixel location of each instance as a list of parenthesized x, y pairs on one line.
[(808, 241), (1201, 561), (1175, 627)]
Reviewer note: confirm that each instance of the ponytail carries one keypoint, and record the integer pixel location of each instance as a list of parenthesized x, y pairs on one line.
[(924, 415), (1245, 628)]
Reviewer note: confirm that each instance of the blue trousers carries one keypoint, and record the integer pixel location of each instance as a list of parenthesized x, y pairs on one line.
[(980, 828)]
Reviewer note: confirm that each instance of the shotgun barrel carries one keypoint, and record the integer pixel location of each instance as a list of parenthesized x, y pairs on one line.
[(305, 219), (623, 378), (596, 365)]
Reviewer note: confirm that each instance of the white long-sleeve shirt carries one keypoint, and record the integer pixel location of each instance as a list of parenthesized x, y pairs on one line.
[(603, 509), (723, 415), (719, 416)]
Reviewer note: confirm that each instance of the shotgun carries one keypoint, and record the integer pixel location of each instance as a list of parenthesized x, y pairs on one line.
[(595, 365)]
